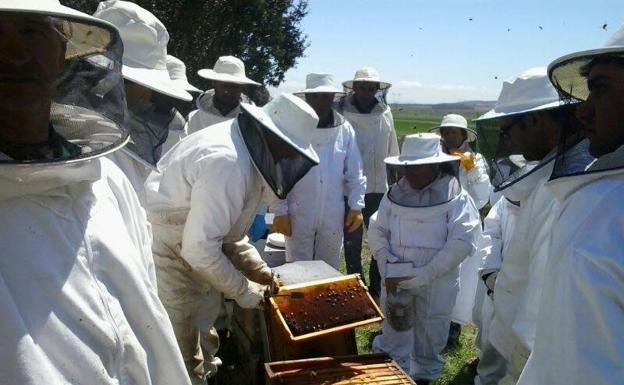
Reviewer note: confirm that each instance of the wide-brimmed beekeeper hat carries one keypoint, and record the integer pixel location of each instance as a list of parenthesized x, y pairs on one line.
[(177, 73), (369, 75), (565, 72), (419, 149), (228, 69), (291, 119), (456, 121), (145, 40), (85, 34), (320, 83), (529, 92)]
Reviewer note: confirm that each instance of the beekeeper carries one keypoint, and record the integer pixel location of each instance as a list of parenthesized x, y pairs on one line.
[(177, 127), (222, 102), (473, 174), (428, 221), (145, 41), (204, 200), (312, 217), (498, 230), (578, 338), (365, 108), (530, 120), (77, 282)]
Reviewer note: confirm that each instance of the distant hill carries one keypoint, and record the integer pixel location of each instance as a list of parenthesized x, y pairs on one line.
[(467, 107)]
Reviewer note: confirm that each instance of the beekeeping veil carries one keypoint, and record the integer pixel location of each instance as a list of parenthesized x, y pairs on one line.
[(277, 137), (528, 93), (88, 108), (568, 75), (145, 39), (422, 149), (368, 75)]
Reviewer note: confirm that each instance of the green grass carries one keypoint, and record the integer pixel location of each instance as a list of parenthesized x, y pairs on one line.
[(457, 370)]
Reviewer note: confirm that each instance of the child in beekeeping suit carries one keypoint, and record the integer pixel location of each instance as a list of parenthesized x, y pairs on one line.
[(425, 227)]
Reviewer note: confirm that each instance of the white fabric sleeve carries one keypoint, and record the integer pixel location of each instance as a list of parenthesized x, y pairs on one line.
[(479, 182), (216, 204), (355, 181), (133, 214), (193, 123), (492, 246), (464, 233), (279, 207), (393, 141), (379, 231)]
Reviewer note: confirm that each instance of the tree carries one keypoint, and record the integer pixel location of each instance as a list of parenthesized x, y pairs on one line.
[(265, 34)]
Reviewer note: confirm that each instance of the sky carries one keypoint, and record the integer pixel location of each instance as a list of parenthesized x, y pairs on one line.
[(433, 53)]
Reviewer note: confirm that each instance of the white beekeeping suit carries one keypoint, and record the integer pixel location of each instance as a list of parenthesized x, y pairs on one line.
[(78, 293), (316, 203), (580, 309), (498, 230), (376, 139), (434, 229), (227, 69), (221, 173), (145, 41)]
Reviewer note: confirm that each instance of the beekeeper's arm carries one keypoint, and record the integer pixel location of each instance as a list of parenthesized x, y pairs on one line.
[(355, 182), (393, 141), (216, 203), (379, 235), (492, 246), (464, 231), (478, 181)]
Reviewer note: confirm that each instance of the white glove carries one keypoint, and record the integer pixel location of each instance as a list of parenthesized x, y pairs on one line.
[(253, 297), (422, 278), (384, 256)]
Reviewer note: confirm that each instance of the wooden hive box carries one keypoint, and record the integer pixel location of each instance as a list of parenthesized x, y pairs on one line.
[(372, 369)]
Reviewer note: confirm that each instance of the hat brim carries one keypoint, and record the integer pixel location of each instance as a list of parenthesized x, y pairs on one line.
[(414, 161), (264, 119), (89, 35), (156, 80), (565, 72), (321, 90), (493, 114), (382, 85), (472, 134), (226, 78), (185, 85)]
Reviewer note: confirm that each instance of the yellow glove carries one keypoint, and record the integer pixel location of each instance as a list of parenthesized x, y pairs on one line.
[(281, 224), (467, 160), (354, 220)]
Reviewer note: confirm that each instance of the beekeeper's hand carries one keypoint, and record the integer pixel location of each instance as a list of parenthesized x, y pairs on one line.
[(354, 220), (253, 297), (281, 224), (467, 160), (422, 278)]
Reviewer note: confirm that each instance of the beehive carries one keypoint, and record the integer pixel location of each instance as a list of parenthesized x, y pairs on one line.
[(324, 307), (373, 369)]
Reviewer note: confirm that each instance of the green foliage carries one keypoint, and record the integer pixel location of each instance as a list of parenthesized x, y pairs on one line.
[(265, 34)]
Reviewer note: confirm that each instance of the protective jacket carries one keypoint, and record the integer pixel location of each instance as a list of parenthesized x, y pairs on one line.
[(316, 203), (207, 114), (532, 226), (580, 312), (376, 139), (77, 281), (434, 229)]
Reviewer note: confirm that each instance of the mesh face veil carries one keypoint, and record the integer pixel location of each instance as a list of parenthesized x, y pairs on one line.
[(280, 172), (87, 104)]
